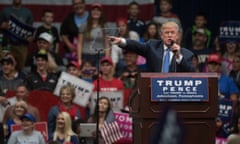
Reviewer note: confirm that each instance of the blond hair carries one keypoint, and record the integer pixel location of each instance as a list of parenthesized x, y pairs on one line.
[(52, 66), (169, 24), (23, 104), (68, 132), (69, 88)]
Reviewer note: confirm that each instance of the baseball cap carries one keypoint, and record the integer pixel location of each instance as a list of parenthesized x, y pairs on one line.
[(107, 59), (121, 19), (96, 5), (46, 36), (7, 60), (214, 58), (201, 31), (28, 116), (73, 63), (42, 54)]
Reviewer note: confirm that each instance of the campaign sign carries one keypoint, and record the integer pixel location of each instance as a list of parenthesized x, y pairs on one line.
[(39, 126), (220, 141), (185, 89), (18, 30), (125, 124), (83, 89), (225, 109), (229, 31), (115, 97)]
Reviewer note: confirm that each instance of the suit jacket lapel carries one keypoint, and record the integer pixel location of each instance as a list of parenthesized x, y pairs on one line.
[(173, 65), (161, 54)]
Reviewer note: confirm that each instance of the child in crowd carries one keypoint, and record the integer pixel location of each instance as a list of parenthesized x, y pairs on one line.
[(27, 134), (47, 26), (73, 68), (88, 71)]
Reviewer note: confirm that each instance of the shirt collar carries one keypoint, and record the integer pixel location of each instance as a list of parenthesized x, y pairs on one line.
[(165, 47)]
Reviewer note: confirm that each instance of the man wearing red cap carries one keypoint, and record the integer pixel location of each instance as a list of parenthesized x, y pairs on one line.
[(107, 82), (73, 68), (226, 87)]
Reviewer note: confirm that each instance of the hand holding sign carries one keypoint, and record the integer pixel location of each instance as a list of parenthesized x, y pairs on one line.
[(83, 89)]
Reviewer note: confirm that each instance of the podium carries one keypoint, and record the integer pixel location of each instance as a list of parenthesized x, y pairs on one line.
[(198, 116)]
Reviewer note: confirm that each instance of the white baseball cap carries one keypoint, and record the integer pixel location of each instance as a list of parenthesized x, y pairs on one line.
[(46, 36)]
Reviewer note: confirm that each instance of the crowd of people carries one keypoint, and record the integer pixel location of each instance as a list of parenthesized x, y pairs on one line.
[(110, 63)]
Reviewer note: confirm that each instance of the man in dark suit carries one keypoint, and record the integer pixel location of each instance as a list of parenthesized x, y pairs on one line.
[(155, 51)]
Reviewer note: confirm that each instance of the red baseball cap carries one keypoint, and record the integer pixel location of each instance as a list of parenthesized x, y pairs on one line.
[(96, 5), (121, 19), (214, 58), (107, 59), (73, 63)]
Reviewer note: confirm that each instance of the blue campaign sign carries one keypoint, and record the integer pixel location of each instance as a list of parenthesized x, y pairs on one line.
[(184, 89), (225, 110), (19, 31), (229, 31)]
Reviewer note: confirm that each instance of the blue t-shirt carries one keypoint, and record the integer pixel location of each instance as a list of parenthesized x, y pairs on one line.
[(226, 86), (78, 21)]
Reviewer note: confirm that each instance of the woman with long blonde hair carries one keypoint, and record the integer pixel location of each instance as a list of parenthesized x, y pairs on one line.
[(63, 132)]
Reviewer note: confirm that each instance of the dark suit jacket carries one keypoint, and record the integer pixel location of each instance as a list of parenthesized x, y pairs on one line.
[(153, 52)]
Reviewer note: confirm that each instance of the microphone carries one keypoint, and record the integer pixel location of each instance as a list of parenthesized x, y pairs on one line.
[(171, 44), (174, 52)]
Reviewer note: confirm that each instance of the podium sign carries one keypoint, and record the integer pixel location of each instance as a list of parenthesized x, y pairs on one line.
[(197, 109), (179, 89)]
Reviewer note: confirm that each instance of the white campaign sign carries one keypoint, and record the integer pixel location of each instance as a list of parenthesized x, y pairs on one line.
[(115, 97), (83, 88)]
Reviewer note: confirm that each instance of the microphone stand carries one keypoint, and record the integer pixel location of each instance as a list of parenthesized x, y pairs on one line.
[(98, 50), (98, 93)]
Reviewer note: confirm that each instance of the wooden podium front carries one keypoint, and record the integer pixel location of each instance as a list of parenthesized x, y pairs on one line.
[(198, 116)]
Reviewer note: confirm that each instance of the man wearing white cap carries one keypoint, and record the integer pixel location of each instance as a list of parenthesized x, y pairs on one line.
[(46, 36), (44, 42)]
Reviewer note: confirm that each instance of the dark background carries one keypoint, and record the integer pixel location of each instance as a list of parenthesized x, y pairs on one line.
[(217, 11)]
